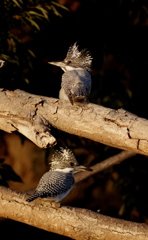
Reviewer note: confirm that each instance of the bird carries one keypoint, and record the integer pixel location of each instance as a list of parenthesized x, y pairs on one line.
[(76, 79), (58, 181)]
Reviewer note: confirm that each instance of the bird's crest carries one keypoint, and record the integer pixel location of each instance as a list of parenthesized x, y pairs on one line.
[(62, 158), (62, 154), (82, 57)]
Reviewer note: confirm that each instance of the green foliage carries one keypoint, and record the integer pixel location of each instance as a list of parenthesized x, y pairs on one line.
[(21, 21)]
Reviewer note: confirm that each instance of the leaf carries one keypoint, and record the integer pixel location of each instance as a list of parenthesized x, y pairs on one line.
[(53, 6), (7, 58), (27, 80), (31, 53), (59, 5), (55, 11), (35, 13), (44, 12), (33, 23), (17, 3)]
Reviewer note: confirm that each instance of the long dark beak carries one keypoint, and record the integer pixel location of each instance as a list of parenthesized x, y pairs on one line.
[(80, 168), (59, 64)]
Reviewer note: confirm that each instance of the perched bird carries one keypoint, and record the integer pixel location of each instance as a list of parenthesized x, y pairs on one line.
[(76, 80), (58, 181)]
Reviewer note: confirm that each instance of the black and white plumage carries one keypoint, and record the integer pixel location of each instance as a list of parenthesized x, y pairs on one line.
[(54, 185), (76, 80), (58, 181)]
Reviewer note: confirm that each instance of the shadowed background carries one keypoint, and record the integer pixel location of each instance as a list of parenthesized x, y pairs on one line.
[(115, 32)]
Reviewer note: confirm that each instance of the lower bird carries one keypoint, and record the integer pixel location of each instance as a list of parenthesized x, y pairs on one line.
[(58, 181)]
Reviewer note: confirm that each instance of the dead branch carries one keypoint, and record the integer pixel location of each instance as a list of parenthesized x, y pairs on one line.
[(72, 222), (34, 115), (107, 163), (19, 111)]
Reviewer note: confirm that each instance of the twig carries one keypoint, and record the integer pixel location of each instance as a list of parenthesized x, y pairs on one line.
[(109, 162)]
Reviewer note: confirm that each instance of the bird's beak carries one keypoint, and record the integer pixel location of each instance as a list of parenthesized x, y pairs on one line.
[(59, 64), (80, 168)]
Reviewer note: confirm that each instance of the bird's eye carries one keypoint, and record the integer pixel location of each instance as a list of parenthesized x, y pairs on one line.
[(68, 62), (71, 164)]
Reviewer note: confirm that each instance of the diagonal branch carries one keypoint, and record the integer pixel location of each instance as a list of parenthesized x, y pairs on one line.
[(107, 163), (68, 221), (33, 116)]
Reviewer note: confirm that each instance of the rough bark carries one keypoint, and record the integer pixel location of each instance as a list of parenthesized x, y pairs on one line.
[(19, 112), (72, 222), (34, 115)]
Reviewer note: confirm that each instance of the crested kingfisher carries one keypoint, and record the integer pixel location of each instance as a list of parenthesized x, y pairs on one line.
[(76, 79), (58, 181)]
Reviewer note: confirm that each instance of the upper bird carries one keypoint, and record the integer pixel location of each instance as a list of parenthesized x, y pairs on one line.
[(58, 181), (76, 80)]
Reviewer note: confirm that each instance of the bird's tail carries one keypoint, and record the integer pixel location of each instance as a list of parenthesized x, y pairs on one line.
[(31, 198)]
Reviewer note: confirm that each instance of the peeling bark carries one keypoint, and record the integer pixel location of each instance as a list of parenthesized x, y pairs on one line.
[(71, 222), (19, 111), (33, 116)]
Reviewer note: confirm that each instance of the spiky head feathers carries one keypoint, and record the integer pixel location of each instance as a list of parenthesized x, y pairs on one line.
[(78, 58), (63, 158)]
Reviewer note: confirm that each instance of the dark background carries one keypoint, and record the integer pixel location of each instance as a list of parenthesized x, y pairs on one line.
[(116, 34)]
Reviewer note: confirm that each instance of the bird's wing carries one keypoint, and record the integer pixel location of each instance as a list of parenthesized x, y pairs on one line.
[(51, 184), (76, 84)]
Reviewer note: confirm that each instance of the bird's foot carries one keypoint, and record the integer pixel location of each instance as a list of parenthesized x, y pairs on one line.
[(56, 205)]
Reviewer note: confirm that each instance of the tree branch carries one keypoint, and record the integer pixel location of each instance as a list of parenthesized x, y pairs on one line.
[(19, 111), (107, 163), (34, 115), (71, 222)]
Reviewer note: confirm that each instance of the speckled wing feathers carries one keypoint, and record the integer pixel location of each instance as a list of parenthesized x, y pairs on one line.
[(53, 184)]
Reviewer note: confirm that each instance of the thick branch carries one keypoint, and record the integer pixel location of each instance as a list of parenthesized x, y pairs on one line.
[(33, 116), (72, 222), (19, 111)]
